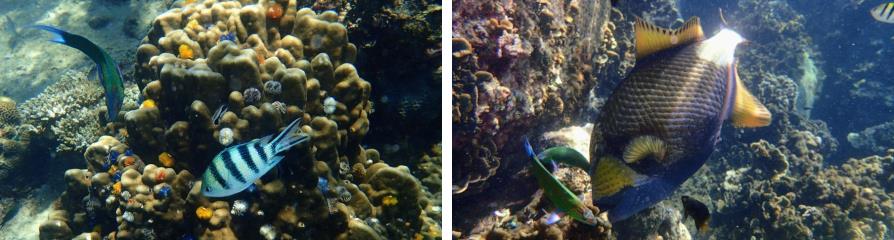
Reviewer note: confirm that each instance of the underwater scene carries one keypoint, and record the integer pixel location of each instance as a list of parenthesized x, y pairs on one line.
[(214, 119), (672, 119)]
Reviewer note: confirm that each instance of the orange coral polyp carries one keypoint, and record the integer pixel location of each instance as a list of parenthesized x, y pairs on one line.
[(185, 51), (274, 12), (166, 159), (128, 161), (203, 213)]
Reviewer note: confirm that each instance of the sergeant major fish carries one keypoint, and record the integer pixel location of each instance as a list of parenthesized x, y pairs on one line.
[(663, 120), (883, 13), (235, 168), (109, 74)]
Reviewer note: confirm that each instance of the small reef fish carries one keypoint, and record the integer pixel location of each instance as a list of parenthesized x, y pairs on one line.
[(13, 33), (109, 74), (883, 13), (698, 211), (237, 167), (661, 123)]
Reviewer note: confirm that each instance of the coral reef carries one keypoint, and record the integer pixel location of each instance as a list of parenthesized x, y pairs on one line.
[(260, 71), (519, 66)]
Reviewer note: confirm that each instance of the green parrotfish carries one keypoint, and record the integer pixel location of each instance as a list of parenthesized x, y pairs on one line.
[(107, 68)]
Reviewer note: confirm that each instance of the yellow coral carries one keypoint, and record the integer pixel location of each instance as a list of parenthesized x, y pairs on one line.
[(185, 51), (113, 169), (389, 200), (203, 213), (166, 159), (148, 103), (116, 188)]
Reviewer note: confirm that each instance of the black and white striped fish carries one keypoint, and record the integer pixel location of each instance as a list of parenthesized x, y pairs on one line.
[(237, 167), (884, 12)]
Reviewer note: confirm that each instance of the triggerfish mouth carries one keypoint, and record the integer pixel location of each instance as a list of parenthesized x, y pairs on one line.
[(109, 74), (235, 168), (662, 122)]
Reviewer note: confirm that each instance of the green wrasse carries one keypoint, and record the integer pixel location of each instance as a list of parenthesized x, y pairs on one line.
[(109, 74)]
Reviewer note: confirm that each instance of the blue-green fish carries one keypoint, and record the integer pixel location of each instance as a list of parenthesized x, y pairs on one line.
[(237, 167), (109, 74)]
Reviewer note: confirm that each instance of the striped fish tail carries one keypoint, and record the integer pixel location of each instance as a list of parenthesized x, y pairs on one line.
[(286, 139)]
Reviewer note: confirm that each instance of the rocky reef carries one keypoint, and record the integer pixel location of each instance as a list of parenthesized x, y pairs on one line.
[(213, 74)]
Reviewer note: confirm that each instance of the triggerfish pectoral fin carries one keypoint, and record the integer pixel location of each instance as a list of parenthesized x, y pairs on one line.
[(109, 74), (556, 192)]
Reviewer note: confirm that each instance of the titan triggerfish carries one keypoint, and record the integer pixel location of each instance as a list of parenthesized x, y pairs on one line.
[(661, 123)]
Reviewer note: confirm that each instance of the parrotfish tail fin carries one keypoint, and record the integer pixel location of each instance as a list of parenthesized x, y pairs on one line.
[(286, 139), (565, 155), (109, 73), (651, 39), (58, 34)]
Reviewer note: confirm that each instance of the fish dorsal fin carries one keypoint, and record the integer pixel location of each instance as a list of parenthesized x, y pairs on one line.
[(748, 112), (651, 39)]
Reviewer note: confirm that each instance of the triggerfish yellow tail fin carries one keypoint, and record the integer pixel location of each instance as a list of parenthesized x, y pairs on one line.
[(109, 74), (748, 112), (651, 39)]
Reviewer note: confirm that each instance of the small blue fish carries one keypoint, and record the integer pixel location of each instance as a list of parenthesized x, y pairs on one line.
[(128, 152), (237, 167), (109, 74)]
